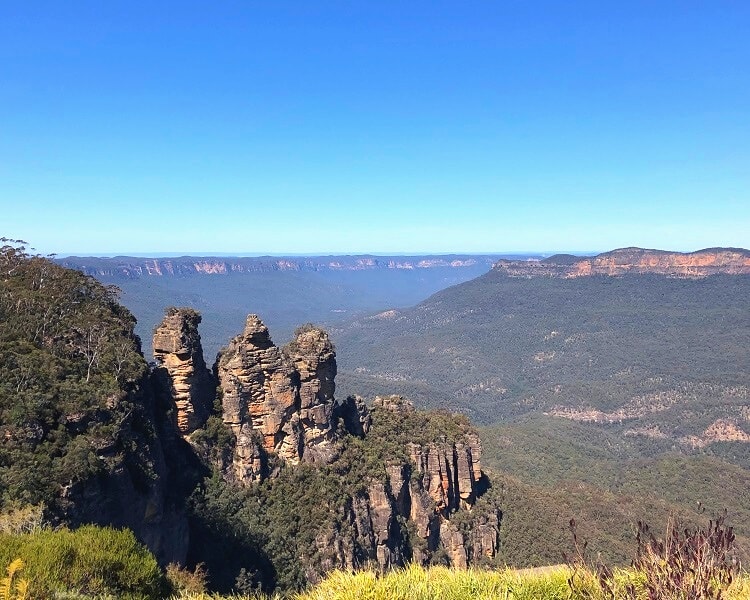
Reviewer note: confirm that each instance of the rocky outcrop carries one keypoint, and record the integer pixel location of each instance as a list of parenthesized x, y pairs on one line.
[(179, 356), (313, 357), (409, 515), (278, 401), (692, 265), (260, 400), (279, 405), (449, 473)]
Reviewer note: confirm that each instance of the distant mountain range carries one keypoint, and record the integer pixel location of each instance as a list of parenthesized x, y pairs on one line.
[(578, 337), (711, 261), (131, 267)]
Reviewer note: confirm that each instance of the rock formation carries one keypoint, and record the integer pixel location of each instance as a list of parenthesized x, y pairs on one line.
[(355, 415), (692, 265), (178, 352), (279, 404), (438, 481), (314, 358), (278, 401)]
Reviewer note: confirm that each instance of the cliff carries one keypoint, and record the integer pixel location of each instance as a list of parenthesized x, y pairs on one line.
[(693, 265), (421, 506), (277, 401), (395, 477)]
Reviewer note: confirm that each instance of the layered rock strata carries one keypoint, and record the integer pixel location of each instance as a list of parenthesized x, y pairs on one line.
[(407, 516), (691, 265), (179, 354), (313, 357), (278, 401)]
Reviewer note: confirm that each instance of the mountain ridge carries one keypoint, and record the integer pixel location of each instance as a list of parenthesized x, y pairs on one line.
[(134, 267), (690, 265)]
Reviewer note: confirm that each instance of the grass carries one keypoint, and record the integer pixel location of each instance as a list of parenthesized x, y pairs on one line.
[(417, 583), (441, 583)]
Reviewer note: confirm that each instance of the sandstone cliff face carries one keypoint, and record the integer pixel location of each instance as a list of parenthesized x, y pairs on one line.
[(178, 352), (260, 400), (409, 515), (279, 404), (314, 359), (693, 265), (278, 401)]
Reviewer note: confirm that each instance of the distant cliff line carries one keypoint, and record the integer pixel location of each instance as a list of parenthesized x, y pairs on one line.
[(135, 267), (701, 263), (692, 265)]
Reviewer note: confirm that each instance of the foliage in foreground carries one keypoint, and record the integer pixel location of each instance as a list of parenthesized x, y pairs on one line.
[(90, 561), (694, 563), (13, 587), (417, 583)]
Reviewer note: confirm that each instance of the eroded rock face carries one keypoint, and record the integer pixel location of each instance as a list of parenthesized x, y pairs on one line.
[(314, 359), (178, 352), (408, 515), (355, 415), (260, 399), (690, 265), (278, 401), (281, 402)]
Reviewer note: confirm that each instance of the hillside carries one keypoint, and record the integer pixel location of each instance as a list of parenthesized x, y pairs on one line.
[(610, 398), (264, 471), (79, 427), (287, 291), (664, 358)]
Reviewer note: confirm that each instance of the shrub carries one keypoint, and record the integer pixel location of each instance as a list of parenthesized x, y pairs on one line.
[(90, 560), (182, 581), (694, 563), (24, 519)]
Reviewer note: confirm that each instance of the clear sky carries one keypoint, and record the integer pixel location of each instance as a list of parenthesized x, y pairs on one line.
[(314, 127)]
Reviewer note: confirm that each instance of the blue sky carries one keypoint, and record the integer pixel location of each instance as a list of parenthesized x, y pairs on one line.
[(315, 127)]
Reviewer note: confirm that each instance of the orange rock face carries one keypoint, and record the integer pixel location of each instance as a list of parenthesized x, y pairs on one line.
[(278, 401), (693, 265), (178, 352)]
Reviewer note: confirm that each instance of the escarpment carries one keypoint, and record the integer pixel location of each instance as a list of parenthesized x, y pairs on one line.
[(424, 499), (690, 265)]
